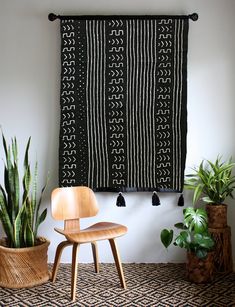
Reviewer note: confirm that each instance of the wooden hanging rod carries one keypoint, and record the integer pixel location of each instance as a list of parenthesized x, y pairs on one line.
[(53, 16)]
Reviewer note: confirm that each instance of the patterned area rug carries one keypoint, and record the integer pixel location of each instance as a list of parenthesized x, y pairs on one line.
[(148, 285)]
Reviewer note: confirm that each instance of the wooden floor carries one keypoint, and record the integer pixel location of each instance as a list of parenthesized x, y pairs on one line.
[(149, 285)]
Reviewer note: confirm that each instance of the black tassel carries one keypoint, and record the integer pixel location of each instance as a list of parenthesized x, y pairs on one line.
[(181, 201), (120, 201), (155, 199)]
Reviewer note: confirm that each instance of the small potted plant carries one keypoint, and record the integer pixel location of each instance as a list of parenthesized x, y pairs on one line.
[(195, 238), (215, 182), (23, 256)]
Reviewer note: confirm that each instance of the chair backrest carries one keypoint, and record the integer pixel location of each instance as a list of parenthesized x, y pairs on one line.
[(69, 203)]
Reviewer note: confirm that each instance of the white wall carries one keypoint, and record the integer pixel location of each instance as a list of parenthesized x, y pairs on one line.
[(29, 105)]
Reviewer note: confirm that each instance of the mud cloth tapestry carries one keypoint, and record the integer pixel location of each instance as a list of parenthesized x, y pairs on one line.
[(123, 102)]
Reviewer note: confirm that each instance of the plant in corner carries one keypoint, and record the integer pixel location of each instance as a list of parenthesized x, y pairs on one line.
[(195, 238), (23, 256), (214, 181)]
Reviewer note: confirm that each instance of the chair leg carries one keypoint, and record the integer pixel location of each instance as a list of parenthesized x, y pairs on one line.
[(58, 254), (95, 256), (74, 270), (118, 263)]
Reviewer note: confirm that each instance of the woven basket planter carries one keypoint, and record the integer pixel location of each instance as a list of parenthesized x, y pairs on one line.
[(23, 267), (200, 270), (217, 216)]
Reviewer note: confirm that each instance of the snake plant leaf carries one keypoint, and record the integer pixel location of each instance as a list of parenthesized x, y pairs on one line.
[(29, 212), (34, 196), (19, 215), (9, 159), (5, 219), (42, 216), (14, 150), (7, 151), (37, 219), (166, 237), (27, 173), (28, 235), (4, 144), (16, 188), (3, 193), (7, 184), (17, 227), (40, 219), (27, 179), (26, 156), (22, 229), (4, 199)]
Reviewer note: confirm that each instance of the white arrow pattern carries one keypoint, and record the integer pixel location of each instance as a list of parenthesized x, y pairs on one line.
[(123, 98)]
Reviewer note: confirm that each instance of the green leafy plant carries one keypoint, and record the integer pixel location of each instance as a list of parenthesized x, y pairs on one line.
[(20, 215), (194, 235), (214, 180)]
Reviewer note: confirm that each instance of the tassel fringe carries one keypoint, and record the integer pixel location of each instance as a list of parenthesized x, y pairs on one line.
[(120, 201), (181, 201), (155, 199)]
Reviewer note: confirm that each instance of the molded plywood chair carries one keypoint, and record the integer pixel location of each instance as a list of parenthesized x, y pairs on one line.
[(70, 204)]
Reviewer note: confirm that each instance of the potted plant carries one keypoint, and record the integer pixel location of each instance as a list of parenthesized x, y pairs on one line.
[(195, 238), (214, 181), (23, 255)]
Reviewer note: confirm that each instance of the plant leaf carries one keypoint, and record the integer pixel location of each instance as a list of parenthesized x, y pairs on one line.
[(26, 156), (28, 235), (183, 240), (180, 226), (5, 219), (195, 219), (201, 253), (17, 227), (204, 240), (166, 237)]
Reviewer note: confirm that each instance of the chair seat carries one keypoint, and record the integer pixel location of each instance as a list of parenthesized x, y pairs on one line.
[(96, 232)]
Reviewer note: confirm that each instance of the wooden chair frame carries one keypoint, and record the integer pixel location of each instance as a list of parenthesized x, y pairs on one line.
[(70, 204)]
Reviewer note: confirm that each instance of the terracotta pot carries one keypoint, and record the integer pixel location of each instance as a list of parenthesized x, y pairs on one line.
[(200, 270), (23, 267), (217, 216)]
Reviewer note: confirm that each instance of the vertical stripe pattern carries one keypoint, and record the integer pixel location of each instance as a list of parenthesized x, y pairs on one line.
[(178, 138), (67, 157), (95, 91), (141, 86), (125, 90)]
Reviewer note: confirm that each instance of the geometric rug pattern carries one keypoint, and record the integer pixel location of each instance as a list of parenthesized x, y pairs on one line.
[(161, 285)]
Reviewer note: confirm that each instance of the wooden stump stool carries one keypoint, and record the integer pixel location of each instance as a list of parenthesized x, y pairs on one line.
[(223, 249)]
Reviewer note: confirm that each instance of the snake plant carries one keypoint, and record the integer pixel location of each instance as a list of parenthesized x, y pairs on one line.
[(19, 206), (194, 235), (214, 180)]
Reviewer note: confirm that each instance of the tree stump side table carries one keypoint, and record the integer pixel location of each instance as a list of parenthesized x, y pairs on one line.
[(223, 259)]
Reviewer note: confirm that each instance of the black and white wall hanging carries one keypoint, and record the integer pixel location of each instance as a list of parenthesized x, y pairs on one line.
[(123, 102)]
